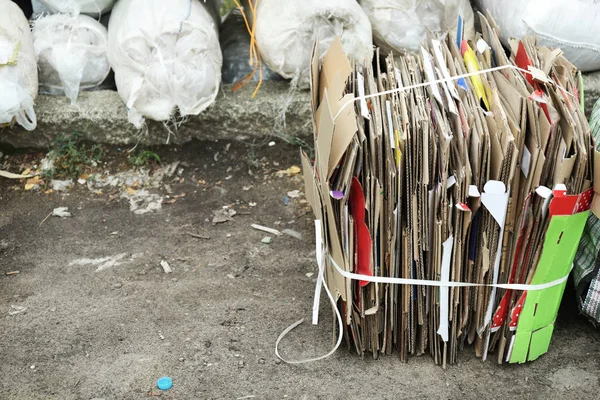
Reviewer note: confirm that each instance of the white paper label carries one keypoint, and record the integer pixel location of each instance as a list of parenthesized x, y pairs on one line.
[(482, 46), (430, 75), (446, 259), (473, 191), (364, 109), (388, 108), (398, 77), (526, 161), (437, 51), (450, 182)]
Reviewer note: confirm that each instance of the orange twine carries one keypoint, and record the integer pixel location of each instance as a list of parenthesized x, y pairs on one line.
[(255, 58)]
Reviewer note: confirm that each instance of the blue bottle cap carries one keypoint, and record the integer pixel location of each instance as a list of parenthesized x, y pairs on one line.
[(165, 383)]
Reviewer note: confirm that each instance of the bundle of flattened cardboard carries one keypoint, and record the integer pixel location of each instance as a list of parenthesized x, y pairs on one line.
[(485, 180)]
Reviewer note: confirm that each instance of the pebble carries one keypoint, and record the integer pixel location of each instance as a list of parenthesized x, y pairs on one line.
[(267, 240), (181, 359), (118, 285), (241, 364), (261, 360)]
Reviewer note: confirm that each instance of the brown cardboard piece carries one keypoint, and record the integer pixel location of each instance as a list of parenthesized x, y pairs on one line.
[(422, 157)]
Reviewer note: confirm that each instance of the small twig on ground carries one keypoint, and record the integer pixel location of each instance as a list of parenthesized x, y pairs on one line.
[(265, 229), (10, 175), (47, 216), (195, 235)]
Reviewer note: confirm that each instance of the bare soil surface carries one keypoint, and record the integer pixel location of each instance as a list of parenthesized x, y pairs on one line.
[(100, 319)]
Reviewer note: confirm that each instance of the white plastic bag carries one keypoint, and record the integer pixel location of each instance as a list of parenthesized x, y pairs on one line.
[(38, 9), (165, 55), (18, 68), (71, 52), (88, 7), (402, 25), (572, 26), (286, 32)]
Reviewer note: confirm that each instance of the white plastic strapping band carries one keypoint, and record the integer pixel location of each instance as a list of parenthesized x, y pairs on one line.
[(381, 279), (536, 73), (320, 281), (426, 282)]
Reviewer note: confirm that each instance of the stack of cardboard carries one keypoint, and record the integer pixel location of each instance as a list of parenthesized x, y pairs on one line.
[(478, 187)]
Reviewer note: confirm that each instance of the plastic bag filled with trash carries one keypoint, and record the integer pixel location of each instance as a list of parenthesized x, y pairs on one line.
[(39, 9), (286, 31), (235, 45), (18, 68), (71, 52), (165, 56), (403, 25), (88, 7), (571, 25)]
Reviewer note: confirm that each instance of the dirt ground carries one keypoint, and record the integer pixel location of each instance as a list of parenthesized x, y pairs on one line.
[(96, 327)]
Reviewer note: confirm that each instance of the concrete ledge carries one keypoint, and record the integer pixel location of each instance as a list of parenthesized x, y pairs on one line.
[(102, 118)]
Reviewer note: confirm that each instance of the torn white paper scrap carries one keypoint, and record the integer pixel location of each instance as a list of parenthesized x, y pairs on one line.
[(525, 161), (473, 191), (62, 212), (435, 90), (450, 182), (61, 185), (166, 267), (364, 109), (446, 260), (495, 200), (482, 46), (14, 310)]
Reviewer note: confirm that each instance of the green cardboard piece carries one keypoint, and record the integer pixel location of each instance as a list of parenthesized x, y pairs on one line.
[(521, 347), (541, 306), (540, 342)]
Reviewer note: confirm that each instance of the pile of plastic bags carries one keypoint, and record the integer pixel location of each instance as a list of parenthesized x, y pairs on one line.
[(71, 53), (401, 25), (286, 31), (569, 25), (165, 56), (88, 7), (18, 69), (167, 60)]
